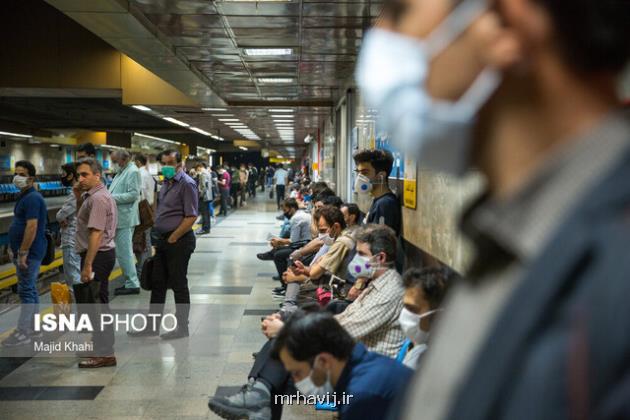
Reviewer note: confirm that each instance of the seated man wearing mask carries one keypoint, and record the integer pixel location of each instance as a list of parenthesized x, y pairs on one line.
[(339, 242), (372, 320), (425, 290), (538, 329), (324, 361)]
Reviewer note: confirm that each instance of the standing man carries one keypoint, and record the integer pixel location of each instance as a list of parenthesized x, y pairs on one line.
[(225, 183), (67, 219), (96, 230), (147, 192), (125, 190), (86, 150), (27, 240), (205, 197), (177, 212), (280, 181), (253, 179), (243, 174), (373, 169), (539, 327)]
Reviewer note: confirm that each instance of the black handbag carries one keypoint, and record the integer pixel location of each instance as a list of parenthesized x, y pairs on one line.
[(49, 257), (147, 273)]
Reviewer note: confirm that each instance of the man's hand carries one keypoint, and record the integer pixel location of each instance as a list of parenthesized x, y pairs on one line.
[(86, 273), (271, 327), (300, 268), (171, 239), (275, 242), (22, 261), (353, 293), (77, 192), (295, 255)]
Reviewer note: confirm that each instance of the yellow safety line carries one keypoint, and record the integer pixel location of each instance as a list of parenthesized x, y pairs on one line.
[(114, 275), (11, 271)]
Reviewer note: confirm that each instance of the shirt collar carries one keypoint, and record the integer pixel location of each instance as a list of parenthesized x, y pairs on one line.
[(379, 282), (27, 191), (358, 353), (518, 227), (94, 189)]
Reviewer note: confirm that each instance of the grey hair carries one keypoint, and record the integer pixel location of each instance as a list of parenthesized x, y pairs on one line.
[(122, 153), (380, 238), (95, 165)]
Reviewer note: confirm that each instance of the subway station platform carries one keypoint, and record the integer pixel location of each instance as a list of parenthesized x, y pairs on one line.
[(230, 291)]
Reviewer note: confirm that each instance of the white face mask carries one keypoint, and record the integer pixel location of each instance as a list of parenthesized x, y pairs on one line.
[(391, 73), (362, 184), (20, 181), (328, 240), (410, 325), (307, 387), (361, 266)]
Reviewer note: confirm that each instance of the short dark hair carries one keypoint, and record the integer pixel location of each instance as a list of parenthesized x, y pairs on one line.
[(30, 168), (326, 192), (170, 152), (87, 148), (593, 35), (70, 169), (291, 203), (332, 200), (353, 209), (95, 165), (305, 335), (141, 158), (318, 187), (434, 282), (380, 238), (381, 160), (332, 215)]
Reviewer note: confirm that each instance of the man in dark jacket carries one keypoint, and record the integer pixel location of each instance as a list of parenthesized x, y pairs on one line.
[(540, 328)]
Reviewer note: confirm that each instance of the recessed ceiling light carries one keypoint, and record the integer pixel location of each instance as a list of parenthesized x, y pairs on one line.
[(228, 119), (242, 147), (282, 110), (214, 109), (200, 131), (258, 52), (141, 108), (277, 80), (8, 133), (178, 122)]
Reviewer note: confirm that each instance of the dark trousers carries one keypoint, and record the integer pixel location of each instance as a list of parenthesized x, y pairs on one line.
[(204, 209), (236, 189), (93, 299), (279, 194), (252, 188), (170, 272), (225, 199), (281, 259), (272, 373)]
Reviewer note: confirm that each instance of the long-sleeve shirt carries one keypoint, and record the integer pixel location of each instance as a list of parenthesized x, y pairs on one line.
[(68, 213), (147, 188), (372, 318)]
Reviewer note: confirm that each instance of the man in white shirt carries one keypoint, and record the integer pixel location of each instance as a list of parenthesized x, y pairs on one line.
[(147, 192), (280, 181)]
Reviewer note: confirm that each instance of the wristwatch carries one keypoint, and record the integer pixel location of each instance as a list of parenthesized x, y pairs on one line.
[(359, 285)]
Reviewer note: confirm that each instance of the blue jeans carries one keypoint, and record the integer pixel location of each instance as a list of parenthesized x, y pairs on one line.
[(71, 266), (27, 290)]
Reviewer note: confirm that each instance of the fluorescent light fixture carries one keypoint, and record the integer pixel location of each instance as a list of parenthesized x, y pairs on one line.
[(228, 119), (282, 121), (277, 80), (54, 145), (242, 147), (141, 108), (280, 156), (282, 110), (258, 52), (222, 115), (277, 98), (178, 122), (8, 133), (282, 116), (200, 131), (156, 138), (217, 137), (214, 109)]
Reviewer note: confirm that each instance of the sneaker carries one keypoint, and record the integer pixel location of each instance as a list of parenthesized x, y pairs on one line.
[(276, 278), (202, 232), (281, 292), (280, 217), (176, 333), (253, 401), (265, 256), (279, 289), (17, 338)]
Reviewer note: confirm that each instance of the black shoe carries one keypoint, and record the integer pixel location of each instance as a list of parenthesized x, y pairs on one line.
[(279, 293), (147, 332), (279, 289), (176, 333), (265, 256), (127, 291), (280, 217), (277, 278), (202, 232)]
